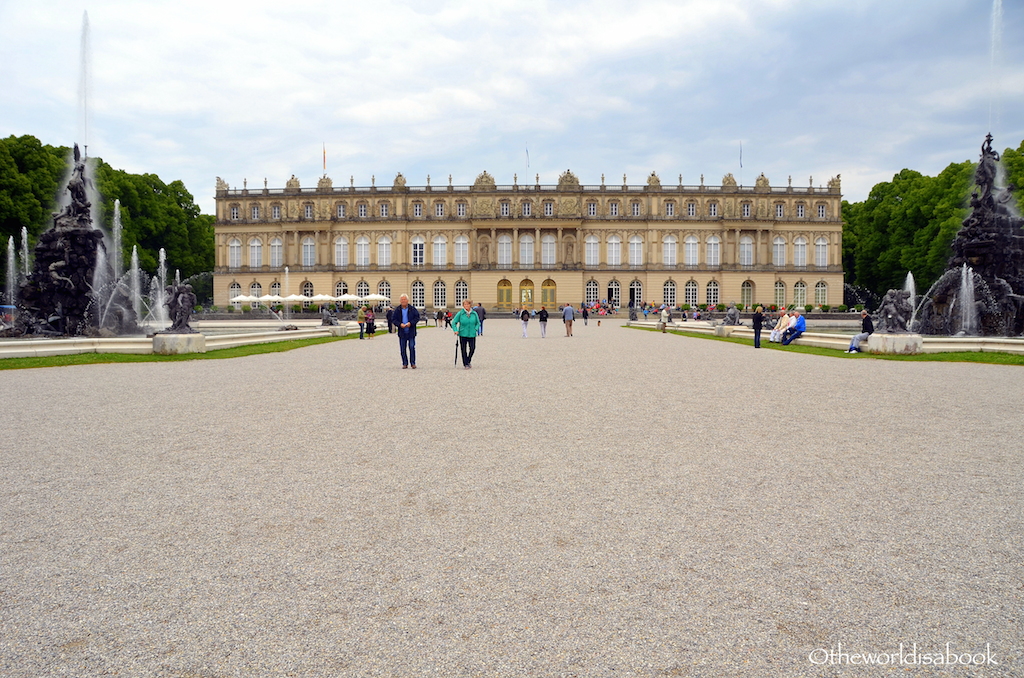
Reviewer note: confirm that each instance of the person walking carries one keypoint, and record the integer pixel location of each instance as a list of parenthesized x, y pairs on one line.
[(758, 324), (465, 325), (542, 316), (361, 319), (482, 315), (568, 314), (586, 316), (524, 317), (391, 312), (405, 319)]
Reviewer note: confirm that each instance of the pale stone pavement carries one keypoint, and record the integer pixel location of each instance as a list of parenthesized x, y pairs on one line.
[(619, 503)]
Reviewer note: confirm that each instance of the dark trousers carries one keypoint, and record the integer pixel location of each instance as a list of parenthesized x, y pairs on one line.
[(757, 337), (406, 341), (468, 346), (789, 335)]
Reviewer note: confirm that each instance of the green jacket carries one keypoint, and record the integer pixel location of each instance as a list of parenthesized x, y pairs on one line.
[(466, 324)]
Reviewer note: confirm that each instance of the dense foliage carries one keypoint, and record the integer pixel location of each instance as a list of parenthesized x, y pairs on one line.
[(908, 224), (153, 214)]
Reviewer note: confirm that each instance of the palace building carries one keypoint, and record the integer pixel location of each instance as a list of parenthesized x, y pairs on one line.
[(534, 244)]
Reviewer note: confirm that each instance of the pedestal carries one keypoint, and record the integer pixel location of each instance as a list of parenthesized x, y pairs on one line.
[(173, 344), (900, 344)]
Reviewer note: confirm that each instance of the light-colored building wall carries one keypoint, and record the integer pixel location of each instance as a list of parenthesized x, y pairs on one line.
[(545, 243)]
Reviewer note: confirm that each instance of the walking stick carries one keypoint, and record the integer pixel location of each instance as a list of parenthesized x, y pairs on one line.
[(456, 364)]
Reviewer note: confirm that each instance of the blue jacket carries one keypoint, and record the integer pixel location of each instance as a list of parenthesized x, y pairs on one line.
[(801, 324), (414, 317)]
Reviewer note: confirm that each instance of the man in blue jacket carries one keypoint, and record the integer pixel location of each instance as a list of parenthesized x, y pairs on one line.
[(406, 317), (796, 330)]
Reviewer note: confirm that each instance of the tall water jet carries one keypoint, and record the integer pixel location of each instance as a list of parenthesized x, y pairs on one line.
[(968, 309), (84, 82), (284, 293), (911, 289), (25, 265), (12, 273), (135, 283), (116, 255), (995, 90)]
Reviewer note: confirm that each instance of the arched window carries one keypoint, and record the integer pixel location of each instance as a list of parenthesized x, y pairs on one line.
[(362, 251), (780, 294), (636, 292), (526, 292), (362, 289), (592, 247), (440, 251), (820, 293), (504, 250), (636, 250), (821, 252), (614, 250), (547, 292), (690, 249), (384, 289), (668, 250), (690, 293), (711, 296), (614, 293), (235, 253), (526, 250), (800, 251), (255, 290), (668, 293), (779, 251), (746, 251), (341, 251), (592, 292), (276, 253), (307, 291), (747, 293), (419, 294), (255, 253), (308, 251), (800, 294), (275, 288), (712, 258), (504, 294), (340, 288), (547, 250), (461, 251), (461, 291), (235, 290), (440, 294), (383, 249), (418, 250)]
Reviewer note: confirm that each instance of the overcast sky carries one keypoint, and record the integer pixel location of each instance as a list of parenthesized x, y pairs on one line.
[(195, 90)]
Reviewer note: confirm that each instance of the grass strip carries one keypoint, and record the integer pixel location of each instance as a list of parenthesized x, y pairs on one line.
[(219, 354), (948, 357)]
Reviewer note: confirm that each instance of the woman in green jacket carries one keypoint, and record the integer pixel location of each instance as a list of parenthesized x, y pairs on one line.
[(465, 324)]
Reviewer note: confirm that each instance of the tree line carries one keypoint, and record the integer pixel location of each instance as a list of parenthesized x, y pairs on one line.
[(908, 224), (153, 214)]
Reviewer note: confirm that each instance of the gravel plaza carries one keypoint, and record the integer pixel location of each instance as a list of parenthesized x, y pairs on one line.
[(618, 503)]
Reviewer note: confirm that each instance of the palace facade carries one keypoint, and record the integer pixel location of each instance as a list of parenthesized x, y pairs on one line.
[(533, 244)]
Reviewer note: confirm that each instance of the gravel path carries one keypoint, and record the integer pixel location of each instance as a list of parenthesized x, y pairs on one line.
[(618, 503)]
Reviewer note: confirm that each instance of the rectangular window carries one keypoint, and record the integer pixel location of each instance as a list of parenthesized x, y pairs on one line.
[(275, 211), (234, 214), (591, 209), (780, 211), (255, 212), (746, 209), (309, 211), (526, 209), (821, 211), (549, 209), (636, 209), (670, 209), (691, 209), (418, 252), (439, 209), (713, 209), (800, 211), (506, 209), (341, 211), (461, 209), (383, 209), (417, 210), (613, 209), (362, 211)]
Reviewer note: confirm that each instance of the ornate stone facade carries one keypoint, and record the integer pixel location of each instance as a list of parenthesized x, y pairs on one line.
[(545, 244)]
